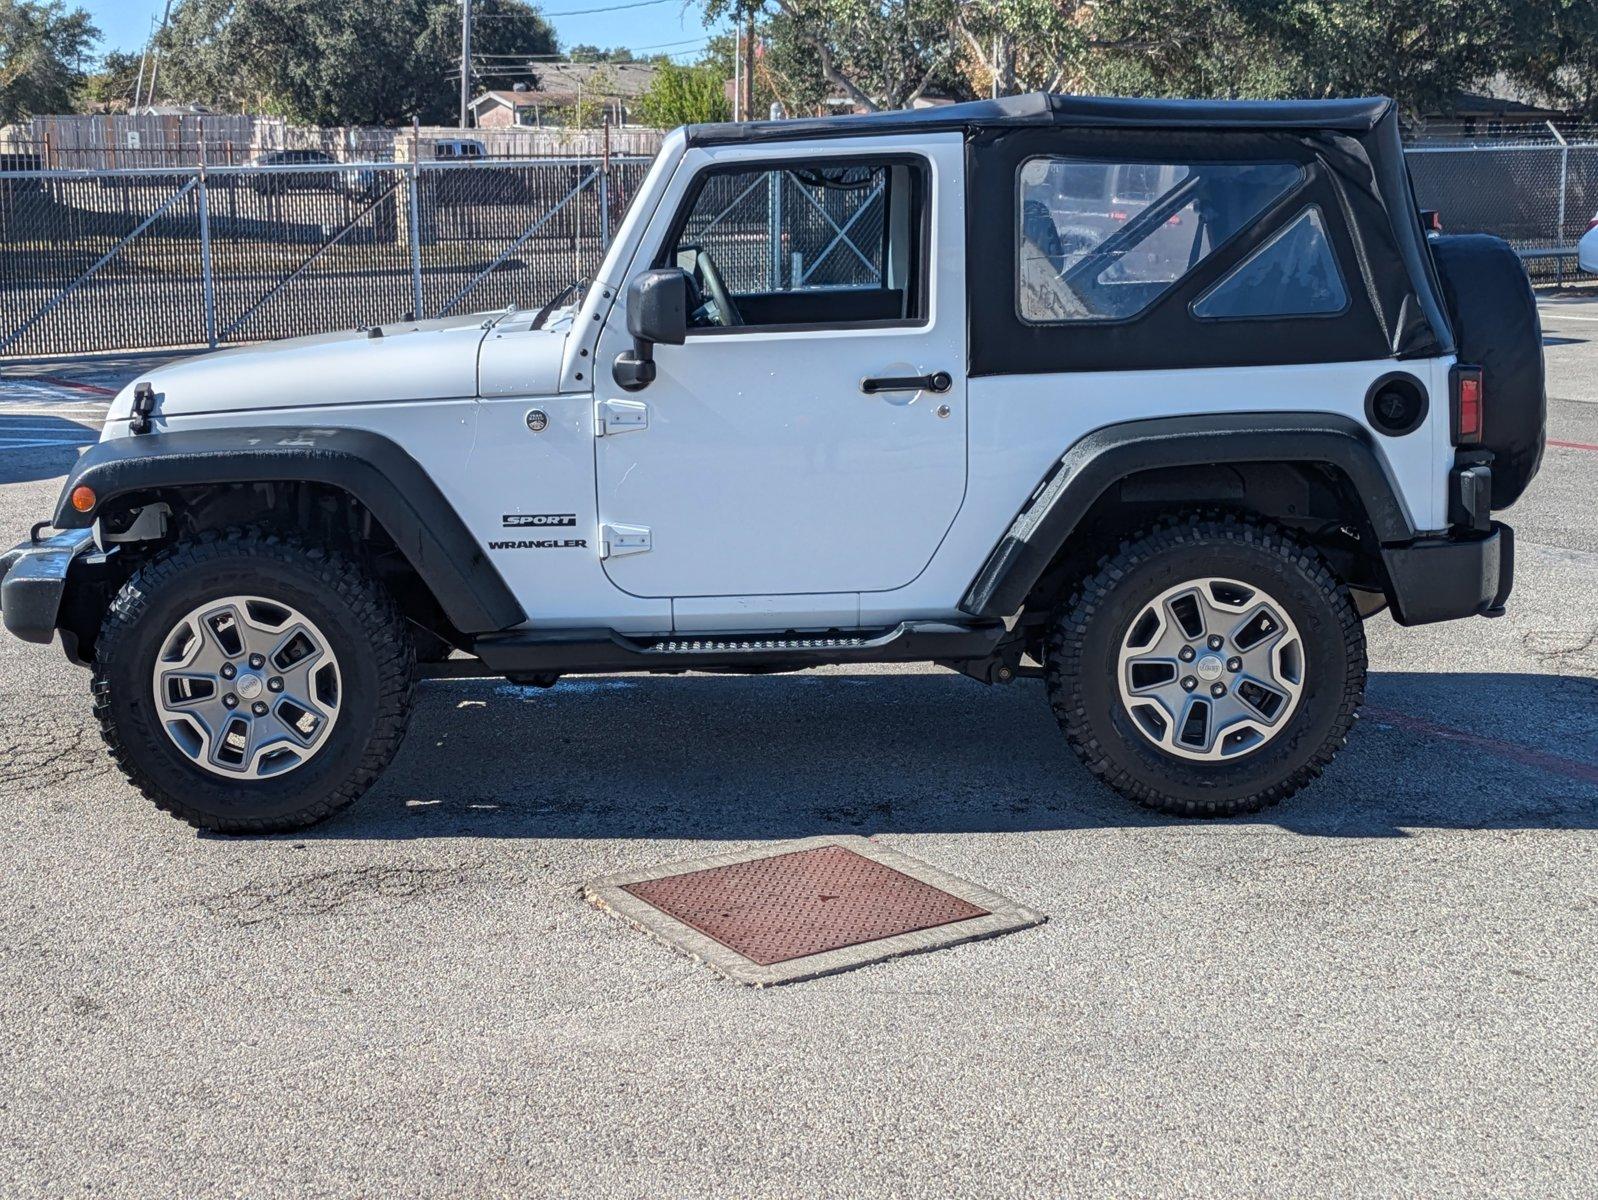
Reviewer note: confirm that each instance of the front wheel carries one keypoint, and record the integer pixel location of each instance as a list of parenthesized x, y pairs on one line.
[(247, 683), (1208, 667)]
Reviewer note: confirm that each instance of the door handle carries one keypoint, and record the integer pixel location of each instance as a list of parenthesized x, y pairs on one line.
[(938, 381)]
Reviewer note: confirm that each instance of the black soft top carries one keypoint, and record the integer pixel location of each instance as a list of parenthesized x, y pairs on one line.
[(1357, 156), (1357, 116)]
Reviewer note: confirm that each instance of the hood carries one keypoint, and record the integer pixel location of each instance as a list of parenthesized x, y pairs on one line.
[(422, 360)]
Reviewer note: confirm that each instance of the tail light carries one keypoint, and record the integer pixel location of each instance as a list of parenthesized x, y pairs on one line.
[(1469, 396), (1592, 224)]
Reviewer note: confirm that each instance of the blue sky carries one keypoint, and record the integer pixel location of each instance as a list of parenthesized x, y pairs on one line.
[(126, 24)]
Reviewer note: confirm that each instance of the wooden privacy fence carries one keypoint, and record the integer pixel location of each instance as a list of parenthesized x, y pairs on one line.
[(118, 142)]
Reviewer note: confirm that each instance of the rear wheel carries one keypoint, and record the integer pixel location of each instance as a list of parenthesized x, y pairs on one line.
[(1207, 667), (250, 684)]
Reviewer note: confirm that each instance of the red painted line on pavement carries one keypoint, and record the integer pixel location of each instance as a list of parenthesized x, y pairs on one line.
[(1575, 768), (1571, 445), (57, 381)]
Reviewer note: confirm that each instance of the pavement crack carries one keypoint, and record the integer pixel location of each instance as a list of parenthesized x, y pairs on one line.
[(36, 759), (1563, 651)]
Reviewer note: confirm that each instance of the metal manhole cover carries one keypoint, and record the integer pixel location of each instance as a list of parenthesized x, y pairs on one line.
[(809, 908)]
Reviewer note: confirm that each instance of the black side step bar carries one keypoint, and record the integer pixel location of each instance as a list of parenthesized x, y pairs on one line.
[(581, 651)]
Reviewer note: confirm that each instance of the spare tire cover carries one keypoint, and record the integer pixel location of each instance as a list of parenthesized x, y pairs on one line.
[(1496, 327)]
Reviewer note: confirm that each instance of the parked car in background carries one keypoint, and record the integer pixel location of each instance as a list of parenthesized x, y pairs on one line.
[(452, 148), (349, 180), (1587, 248)]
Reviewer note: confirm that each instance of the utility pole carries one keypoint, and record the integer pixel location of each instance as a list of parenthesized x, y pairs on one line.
[(466, 58), (144, 60), (737, 72), (749, 67), (154, 55)]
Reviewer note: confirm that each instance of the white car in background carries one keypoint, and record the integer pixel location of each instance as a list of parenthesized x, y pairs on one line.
[(1587, 248)]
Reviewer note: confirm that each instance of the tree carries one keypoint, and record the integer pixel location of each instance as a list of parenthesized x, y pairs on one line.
[(1420, 52), (343, 62), (1022, 45), (586, 53), (684, 95), (875, 53), (1176, 48), (1552, 49), (113, 85), (42, 48)]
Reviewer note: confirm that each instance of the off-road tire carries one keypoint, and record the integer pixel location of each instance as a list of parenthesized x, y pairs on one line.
[(1086, 633), (359, 618)]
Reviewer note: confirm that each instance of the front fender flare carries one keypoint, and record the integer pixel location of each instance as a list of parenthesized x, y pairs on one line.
[(1113, 452), (375, 470)]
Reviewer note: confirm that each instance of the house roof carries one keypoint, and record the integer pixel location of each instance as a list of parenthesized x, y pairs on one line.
[(170, 110), (557, 82), (1477, 104), (1082, 112)]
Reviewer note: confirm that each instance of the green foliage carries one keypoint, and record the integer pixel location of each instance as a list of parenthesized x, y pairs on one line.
[(680, 95), (874, 53), (1173, 48), (586, 53), (340, 62), (884, 53), (42, 47), (1551, 47), (114, 83), (1421, 52), (1022, 45)]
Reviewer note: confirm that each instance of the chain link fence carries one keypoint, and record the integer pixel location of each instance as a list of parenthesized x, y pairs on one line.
[(775, 231), (1540, 196), (119, 260), (208, 255)]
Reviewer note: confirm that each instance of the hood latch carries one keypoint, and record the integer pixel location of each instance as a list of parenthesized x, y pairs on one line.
[(143, 406)]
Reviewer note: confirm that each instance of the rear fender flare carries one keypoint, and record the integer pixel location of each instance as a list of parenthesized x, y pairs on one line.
[(1113, 452)]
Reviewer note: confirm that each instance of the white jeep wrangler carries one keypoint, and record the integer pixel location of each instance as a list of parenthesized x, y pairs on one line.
[(1157, 400)]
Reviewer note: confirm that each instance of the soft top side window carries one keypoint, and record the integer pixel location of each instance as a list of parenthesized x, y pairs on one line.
[(1110, 255), (1295, 274), (805, 243)]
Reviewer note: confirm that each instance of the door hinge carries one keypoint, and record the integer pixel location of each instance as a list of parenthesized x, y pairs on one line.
[(618, 540), (619, 416)]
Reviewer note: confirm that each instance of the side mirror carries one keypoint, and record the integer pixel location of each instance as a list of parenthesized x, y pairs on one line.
[(657, 313)]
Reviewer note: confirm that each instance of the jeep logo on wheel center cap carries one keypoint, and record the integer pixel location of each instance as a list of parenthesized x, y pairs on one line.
[(1209, 668), (249, 686)]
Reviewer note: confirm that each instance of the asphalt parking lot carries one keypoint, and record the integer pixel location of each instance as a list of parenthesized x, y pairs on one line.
[(1385, 986)]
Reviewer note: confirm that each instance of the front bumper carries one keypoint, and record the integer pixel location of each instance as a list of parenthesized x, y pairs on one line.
[(1439, 579), (33, 578)]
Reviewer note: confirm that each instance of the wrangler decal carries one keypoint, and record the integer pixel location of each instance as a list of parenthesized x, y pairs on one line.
[(541, 544)]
